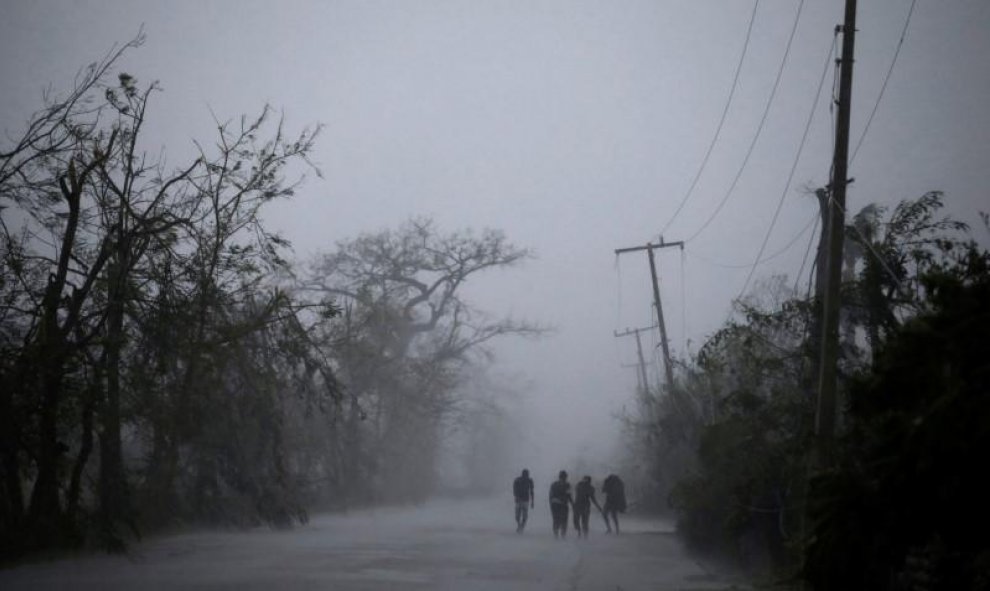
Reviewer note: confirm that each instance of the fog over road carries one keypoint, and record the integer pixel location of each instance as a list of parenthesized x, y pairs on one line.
[(470, 545)]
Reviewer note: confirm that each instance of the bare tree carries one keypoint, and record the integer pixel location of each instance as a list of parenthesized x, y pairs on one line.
[(406, 338)]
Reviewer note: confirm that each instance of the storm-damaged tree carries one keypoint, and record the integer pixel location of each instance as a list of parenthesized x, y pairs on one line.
[(53, 265), (405, 340), (107, 253), (740, 498), (886, 256), (745, 495), (905, 505), (216, 315)]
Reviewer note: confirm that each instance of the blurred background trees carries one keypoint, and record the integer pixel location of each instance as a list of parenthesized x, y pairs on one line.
[(407, 342)]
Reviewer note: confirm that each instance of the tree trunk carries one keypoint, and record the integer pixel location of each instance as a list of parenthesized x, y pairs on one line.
[(12, 498), (85, 448), (45, 511), (113, 490)]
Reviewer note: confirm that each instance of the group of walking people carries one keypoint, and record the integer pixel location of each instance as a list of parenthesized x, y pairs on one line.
[(562, 501)]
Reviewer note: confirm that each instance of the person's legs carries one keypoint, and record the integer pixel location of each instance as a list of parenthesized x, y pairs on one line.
[(555, 514), (608, 525)]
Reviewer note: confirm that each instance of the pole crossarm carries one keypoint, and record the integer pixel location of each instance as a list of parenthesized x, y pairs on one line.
[(630, 331), (651, 246)]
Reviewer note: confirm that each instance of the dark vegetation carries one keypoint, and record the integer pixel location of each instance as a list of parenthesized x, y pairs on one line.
[(905, 505), (163, 362)]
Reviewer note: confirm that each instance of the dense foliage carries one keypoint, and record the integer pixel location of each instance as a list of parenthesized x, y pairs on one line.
[(897, 512), (905, 506)]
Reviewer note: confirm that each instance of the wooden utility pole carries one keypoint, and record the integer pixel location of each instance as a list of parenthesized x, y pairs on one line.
[(639, 379), (825, 414), (645, 383), (649, 248)]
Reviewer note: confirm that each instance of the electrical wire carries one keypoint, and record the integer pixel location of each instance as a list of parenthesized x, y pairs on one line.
[(790, 176), (833, 101), (770, 257), (655, 345), (721, 122), (759, 129), (618, 290), (869, 246), (804, 261), (886, 78), (859, 143), (684, 332)]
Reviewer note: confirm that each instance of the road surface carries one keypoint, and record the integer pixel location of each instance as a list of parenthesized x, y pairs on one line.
[(458, 545)]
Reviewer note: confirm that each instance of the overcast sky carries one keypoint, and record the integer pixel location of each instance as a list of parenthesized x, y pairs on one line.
[(575, 127)]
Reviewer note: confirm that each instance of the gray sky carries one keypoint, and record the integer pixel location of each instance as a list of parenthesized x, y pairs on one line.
[(576, 127)]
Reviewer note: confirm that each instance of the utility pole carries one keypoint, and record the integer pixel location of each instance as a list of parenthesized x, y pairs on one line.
[(825, 414), (649, 248), (639, 351), (639, 379)]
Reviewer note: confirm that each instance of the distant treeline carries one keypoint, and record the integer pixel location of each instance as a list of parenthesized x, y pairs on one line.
[(164, 361)]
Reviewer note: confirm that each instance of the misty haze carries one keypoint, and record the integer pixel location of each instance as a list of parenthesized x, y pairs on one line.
[(455, 294)]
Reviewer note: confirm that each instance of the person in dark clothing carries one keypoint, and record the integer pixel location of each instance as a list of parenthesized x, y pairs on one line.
[(584, 497), (522, 490), (560, 500), (615, 500)]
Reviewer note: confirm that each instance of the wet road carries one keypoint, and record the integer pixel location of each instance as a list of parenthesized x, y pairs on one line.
[(462, 545)]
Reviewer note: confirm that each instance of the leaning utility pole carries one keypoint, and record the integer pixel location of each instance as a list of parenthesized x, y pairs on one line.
[(639, 351), (825, 414), (639, 380), (649, 248)]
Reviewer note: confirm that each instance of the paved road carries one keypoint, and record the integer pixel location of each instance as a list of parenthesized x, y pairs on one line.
[(462, 545)]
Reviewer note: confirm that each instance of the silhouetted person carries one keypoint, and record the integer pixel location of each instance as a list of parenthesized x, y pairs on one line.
[(522, 490), (615, 500), (560, 499), (584, 498)]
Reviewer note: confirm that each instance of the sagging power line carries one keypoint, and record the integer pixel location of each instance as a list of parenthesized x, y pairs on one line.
[(644, 382)]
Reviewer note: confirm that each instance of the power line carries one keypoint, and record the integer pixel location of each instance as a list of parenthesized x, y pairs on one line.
[(804, 261), (869, 246), (886, 78), (684, 333), (790, 176), (833, 100), (725, 112), (759, 129), (767, 258), (618, 290)]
